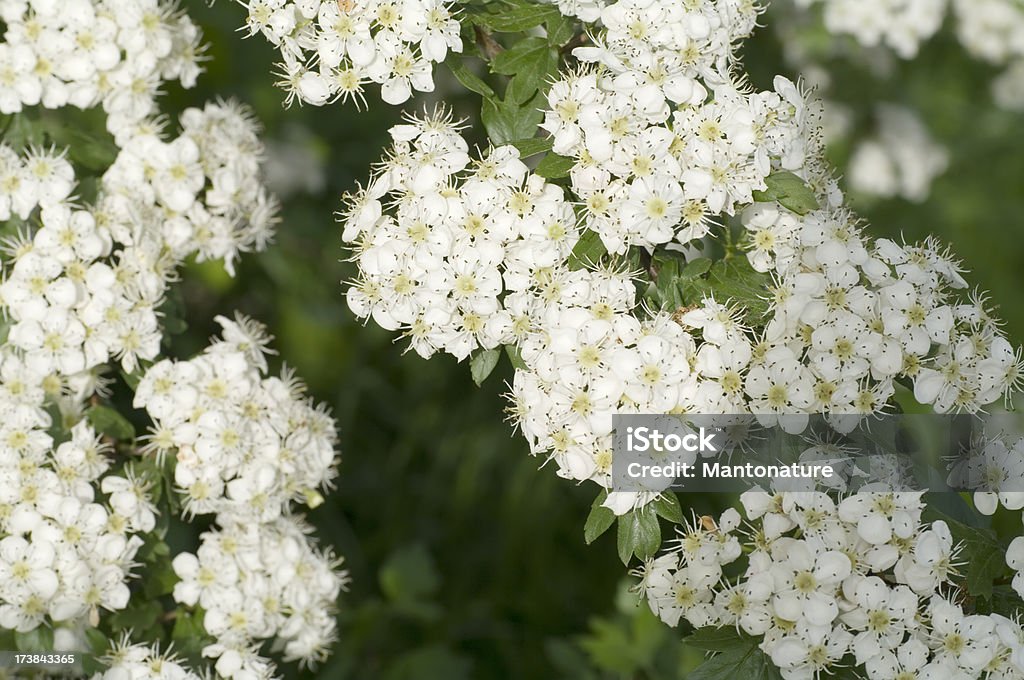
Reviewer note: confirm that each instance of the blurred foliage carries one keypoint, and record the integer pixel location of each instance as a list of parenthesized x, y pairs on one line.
[(467, 561)]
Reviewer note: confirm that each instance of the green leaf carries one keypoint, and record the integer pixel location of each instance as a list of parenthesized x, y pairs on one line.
[(696, 268), (984, 555), (140, 616), (983, 569), (588, 251), (409, 575), (532, 62), (91, 665), (152, 549), (599, 520), (667, 268), (561, 29), (639, 533), (160, 580), (712, 639), (516, 357), (524, 57), (533, 146), (23, 129), (90, 152), (790, 191), (554, 166), (670, 290), (430, 661), (188, 624), (736, 657), (39, 639), (753, 664), (667, 506), (951, 505), (98, 641), (174, 325), (111, 423), (518, 18), (732, 280), (613, 647), (93, 150), (521, 89), (173, 502), (467, 78), (1004, 600), (84, 135), (189, 634), (132, 379), (664, 292), (482, 364), (507, 122), (173, 312)]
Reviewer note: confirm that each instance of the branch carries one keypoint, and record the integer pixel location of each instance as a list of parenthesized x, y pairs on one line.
[(488, 45)]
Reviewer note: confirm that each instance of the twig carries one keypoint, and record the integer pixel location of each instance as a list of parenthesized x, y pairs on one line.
[(488, 45), (578, 41)]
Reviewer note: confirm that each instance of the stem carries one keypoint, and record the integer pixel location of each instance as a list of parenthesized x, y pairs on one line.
[(578, 41), (648, 264)]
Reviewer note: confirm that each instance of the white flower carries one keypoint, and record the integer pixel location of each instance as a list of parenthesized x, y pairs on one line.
[(806, 580), (880, 516), (967, 642), (883, 616), (1015, 560)]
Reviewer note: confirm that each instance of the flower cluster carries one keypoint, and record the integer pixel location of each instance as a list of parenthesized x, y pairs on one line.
[(850, 316), (838, 333), (85, 53), (257, 582), (87, 284), (657, 156), (993, 30), (995, 467), (822, 582), (202, 191), (990, 30), (83, 284), (587, 358), (846, 318), (65, 551), (74, 302), (900, 24), (331, 48), (468, 243), (246, 447), (141, 662), (901, 159)]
